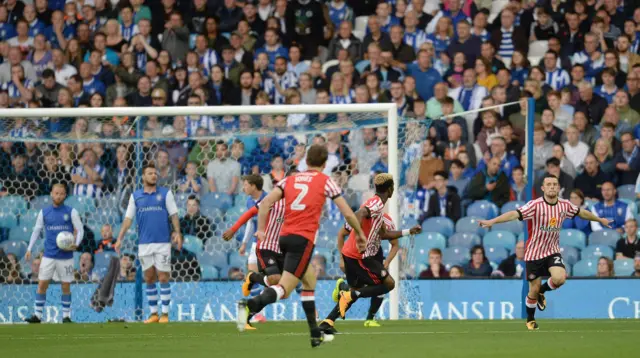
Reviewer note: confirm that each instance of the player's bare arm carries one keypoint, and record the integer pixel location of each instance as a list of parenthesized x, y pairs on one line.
[(588, 215), (393, 235), (176, 236), (126, 224), (395, 247), (263, 211), (341, 235), (352, 220), (508, 216)]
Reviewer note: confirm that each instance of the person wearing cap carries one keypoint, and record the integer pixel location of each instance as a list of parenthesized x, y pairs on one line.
[(47, 90)]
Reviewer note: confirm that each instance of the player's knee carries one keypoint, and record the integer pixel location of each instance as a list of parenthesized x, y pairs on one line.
[(273, 279), (559, 280), (389, 283)]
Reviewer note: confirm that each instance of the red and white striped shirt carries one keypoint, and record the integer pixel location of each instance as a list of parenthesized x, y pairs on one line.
[(371, 227), (272, 231), (544, 238)]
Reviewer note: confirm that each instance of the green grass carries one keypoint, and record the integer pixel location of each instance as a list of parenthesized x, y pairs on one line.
[(467, 339)]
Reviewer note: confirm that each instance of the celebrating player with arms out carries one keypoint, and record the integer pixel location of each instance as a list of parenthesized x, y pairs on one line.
[(305, 195), (153, 207), (542, 250), (366, 273), (54, 220)]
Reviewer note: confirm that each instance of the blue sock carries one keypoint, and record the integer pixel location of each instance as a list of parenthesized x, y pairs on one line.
[(256, 290), (152, 297), (66, 306), (39, 307), (165, 297)]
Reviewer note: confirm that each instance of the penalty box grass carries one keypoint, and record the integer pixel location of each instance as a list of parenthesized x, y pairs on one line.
[(495, 339)]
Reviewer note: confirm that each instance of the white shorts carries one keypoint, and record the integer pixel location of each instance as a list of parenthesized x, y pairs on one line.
[(155, 255), (61, 270), (253, 258)]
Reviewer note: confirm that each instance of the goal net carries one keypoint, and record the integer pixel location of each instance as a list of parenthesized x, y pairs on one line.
[(203, 153)]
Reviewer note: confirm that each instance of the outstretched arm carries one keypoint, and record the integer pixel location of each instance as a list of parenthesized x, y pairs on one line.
[(241, 221), (508, 216), (588, 215), (393, 235)]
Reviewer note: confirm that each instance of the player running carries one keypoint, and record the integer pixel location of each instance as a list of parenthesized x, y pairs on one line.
[(270, 260), (305, 195), (154, 207), (542, 251), (55, 219), (367, 274)]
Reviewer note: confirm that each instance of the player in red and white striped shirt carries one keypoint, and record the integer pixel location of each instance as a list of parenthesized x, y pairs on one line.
[(270, 258), (542, 249)]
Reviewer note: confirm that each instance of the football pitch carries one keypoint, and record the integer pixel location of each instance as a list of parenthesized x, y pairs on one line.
[(496, 339)]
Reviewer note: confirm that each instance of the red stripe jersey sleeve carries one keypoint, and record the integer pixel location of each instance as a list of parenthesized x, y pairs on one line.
[(375, 206), (388, 223), (528, 210), (573, 210), (331, 189), (281, 184)]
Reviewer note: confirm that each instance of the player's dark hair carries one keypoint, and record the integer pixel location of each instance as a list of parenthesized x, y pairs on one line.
[(149, 165), (194, 197), (553, 161), (517, 167), (317, 155), (447, 100), (550, 176), (442, 174), (254, 179), (458, 163)]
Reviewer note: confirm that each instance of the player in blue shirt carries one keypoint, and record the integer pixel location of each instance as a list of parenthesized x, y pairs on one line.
[(155, 211), (56, 262)]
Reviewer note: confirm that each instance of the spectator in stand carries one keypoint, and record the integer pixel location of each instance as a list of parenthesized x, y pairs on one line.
[(590, 103), (456, 179), (498, 150), (456, 271), (562, 114), (127, 268), (490, 183), (175, 38), (429, 165), (444, 201), (627, 160), (626, 114), (628, 246), (608, 89), (319, 265), (223, 173), (478, 265), (470, 94), (604, 153), (382, 165), (191, 182), (455, 143), (575, 150), (577, 198), (633, 88), (617, 211), (509, 36), (512, 266), (167, 174), (88, 176), (435, 269), (465, 42), (85, 271), (107, 240), (519, 184), (552, 133), (591, 180), (636, 266), (566, 181), (426, 76), (272, 47), (542, 148), (345, 39), (196, 224), (565, 164), (488, 131), (513, 140), (605, 267)]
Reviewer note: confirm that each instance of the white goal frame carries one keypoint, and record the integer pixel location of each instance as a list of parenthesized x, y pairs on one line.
[(392, 137)]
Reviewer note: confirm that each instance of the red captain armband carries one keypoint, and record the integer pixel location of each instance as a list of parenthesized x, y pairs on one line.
[(244, 218)]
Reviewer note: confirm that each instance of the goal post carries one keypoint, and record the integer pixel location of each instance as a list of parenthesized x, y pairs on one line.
[(385, 111)]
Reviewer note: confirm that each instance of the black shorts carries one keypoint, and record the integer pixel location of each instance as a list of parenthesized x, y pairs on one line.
[(540, 268), (364, 272), (297, 251), (270, 262)]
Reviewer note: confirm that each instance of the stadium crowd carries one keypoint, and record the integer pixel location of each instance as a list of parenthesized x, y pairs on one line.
[(579, 60)]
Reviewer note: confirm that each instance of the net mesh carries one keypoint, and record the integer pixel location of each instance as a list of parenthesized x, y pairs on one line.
[(186, 150)]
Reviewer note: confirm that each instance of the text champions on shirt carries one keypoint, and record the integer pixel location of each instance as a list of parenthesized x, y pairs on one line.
[(150, 208)]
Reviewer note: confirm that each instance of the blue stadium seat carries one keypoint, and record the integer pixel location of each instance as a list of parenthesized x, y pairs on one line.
[(627, 192), (21, 233), (193, 244), (570, 254), (217, 258), (632, 205), (240, 200), (623, 267), (464, 240), (496, 253), (101, 259), (18, 248), (325, 241), (104, 216), (596, 251), (470, 224), (455, 256), (81, 203), (585, 268), (14, 204), (483, 209), (512, 205), (426, 241), (408, 222), (440, 224), (221, 201), (109, 202), (29, 218), (574, 238), (181, 200), (521, 236), (331, 227), (235, 260), (516, 227), (8, 220), (604, 237), (327, 253), (40, 202), (209, 272), (503, 239), (76, 260)]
